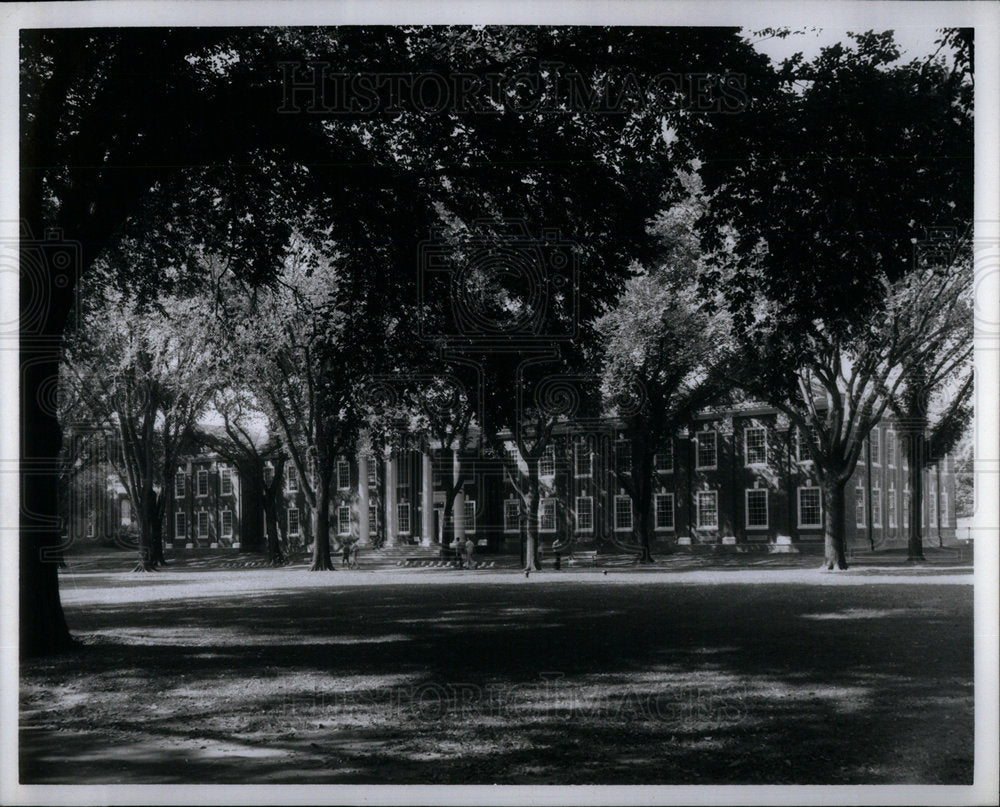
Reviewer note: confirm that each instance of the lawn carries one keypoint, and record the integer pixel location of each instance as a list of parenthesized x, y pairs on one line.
[(737, 675)]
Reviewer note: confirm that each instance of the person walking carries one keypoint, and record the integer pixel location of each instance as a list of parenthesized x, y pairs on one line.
[(470, 547)]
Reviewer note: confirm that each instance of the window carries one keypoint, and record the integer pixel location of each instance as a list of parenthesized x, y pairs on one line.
[(664, 461), (372, 474), (755, 445), (890, 448), (180, 524), (268, 474), (291, 478), (707, 455), (623, 513), (203, 482), (470, 515), (583, 461), (343, 474), (859, 507), (126, 512), (932, 509), (944, 509), (203, 524), (891, 502), (707, 507), (547, 515), (584, 514), (623, 456), (511, 515), (344, 520), (810, 507), (877, 507), (906, 508), (874, 443), (293, 521), (802, 438), (756, 509), (372, 519), (547, 463), (663, 511), (227, 523), (226, 481), (179, 485), (403, 517)]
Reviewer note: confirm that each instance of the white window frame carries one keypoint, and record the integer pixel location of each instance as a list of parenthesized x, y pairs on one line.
[(631, 514), (715, 450), (343, 468), (202, 474), (877, 508), (203, 515), (179, 486), (802, 438), (808, 525), (890, 448), (225, 479), (578, 450), (892, 505), (509, 527), (404, 525), (291, 478), (589, 512), (288, 521), (746, 447), (547, 462), (875, 446), (699, 521), (372, 473), (860, 517), (669, 498), (543, 505), (746, 510), (620, 452), (470, 525), (373, 519), (180, 524), (340, 519), (222, 522), (668, 466)]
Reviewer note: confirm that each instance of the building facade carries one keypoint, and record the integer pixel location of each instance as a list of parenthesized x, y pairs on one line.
[(733, 477)]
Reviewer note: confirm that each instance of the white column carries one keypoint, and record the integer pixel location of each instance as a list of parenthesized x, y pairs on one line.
[(427, 536), (363, 499), (390, 500), (458, 513)]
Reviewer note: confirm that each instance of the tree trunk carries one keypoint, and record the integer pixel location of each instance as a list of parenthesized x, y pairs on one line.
[(833, 525), (321, 560), (915, 466), (157, 531), (145, 562), (531, 502), (642, 471), (42, 622)]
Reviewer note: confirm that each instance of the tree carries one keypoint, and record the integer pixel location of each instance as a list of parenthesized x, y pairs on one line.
[(842, 169), (193, 151), (145, 375), (933, 401), (664, 354), (248, 443)]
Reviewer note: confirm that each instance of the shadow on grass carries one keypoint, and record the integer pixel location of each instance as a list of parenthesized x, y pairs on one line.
[(582, 683)]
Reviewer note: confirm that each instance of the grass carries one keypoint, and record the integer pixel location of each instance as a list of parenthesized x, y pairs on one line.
[(748, 675)]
